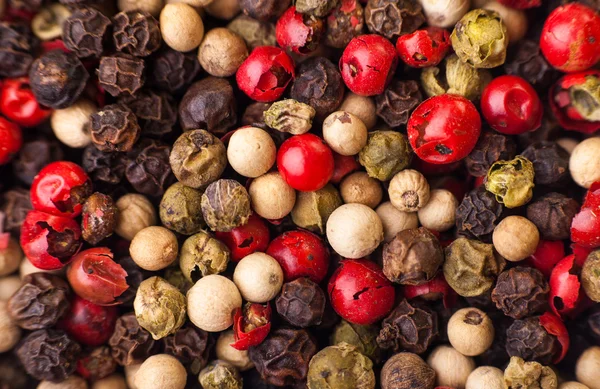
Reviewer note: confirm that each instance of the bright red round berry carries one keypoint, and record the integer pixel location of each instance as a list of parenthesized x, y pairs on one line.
[(298, 32), (305, 162), (247, 239), (11, 140), (18, 103), (423, 48), (88, 323), (265, 74)]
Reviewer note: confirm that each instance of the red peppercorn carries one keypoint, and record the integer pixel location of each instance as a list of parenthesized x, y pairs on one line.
[(368, 64), (88, 323), (94, 276), (342, 166), (49, 241), (585, 227), (444, 129), (432, 290), (565, 288), (305, 162), (521, 4), (265, 74), (359, 292), (592, 197), (300, 254), (511, 106), (298, 32), (554, 326), (423, 48), (251, 325), (60, 189), (247, 239), (570, 38), (18, 103), (11, 140), (560, 103), (547, 255)]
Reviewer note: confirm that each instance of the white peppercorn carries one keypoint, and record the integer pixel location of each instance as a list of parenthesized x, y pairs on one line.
[(451, 367), (354, 230), (9, 285), (272, 197), (251, 152), (181, 27), (444, 13), (161, 371), (470, 331), (409, 190), (359, 188), (584, 163), (73, 382), (487, 377), (362, 107), (10, 257), (211, 302), (439, 214), (394, 220), (587, 369), (130, 371), (571, 385), (514, 19), (345, 133), (135, 213), (47, 23), (114, 381), (224, 351), (221, 52), (154, 248), (259, 277), (10, 333), (71, 125), (515, 238), (153, 7), (223, 9)]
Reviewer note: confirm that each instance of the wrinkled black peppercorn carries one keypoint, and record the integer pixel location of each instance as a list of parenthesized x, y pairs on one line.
[(102, 166), (521, 292), (496, 355), (136, 33), (149, 170), (398, 100), (191, 346), (529, 340), (33, 157), (85, 32), (490, 147), (114, 128), (171, 70), (301, 303), (526, 61), (478, 214), (345, 22), (552, 214), (16, 206), (550, 162), (392, 18), (121, 74), (130, 343), (156, 112), (264, 10), (16, 49)]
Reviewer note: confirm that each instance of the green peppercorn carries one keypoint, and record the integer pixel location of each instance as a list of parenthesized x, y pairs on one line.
[(364, 338), (175, 277), (340, 367), (312, 209), (585, 98), (202, 255), (455, 77), (290, 116), (590, 276), (386, 153), (225, 205), (511, 181), (180, 209), (220, 375)]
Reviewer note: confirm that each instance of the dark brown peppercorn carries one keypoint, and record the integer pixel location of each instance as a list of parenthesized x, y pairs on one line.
[(345, 22), (496, 355), (16, 206), (97, 363), (48, 355), (283, 357), (526, 61), (593, 323), (550, 162), (121, 74), (253, 115), (490, 147), (98, 218), (319, 84), (57, 79), (301, 303), (410, 327), (16, 49), (529, 340), (552, 214), (27, 5), (398, 100), (105, 167), (413, 257), (114, 128), (521, 292), (393, 18), (478, 214), (191, 346), (171, 70), (318, 8), (85, 32), (130, 343), (40, 301), (149, 170), (33, 157), (156, 112), (264, 10), (136, 33)]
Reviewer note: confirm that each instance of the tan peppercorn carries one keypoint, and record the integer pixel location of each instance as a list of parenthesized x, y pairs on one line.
[(224, 351), (362, 107), (114, 381), (154, 248), (10, 333), (211, 302), (584, 163), (181, 27), (223, 9), (136, 212), (70, 125), (221, 52), (529, 375), (470, 331), (354, 230), (193, 3), (451, 367), (271, 197), (161, 371), (359, 188), (514, 19), (439, 214), (130, 371), (153, 7), (515, 238), (345, 133), (487, 377), (10, 258), (406, 371), (73, 382), (568, 144), (258, 277), (394, 221), (8, 286), (571, 385), (587, 369), (251, 152), (409, 190)]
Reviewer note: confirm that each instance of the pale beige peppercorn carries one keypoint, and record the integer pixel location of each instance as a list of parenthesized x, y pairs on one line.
[(130, 372), (444, 13), (136, 212), (251, 152), (354, 230), (153, 7), (193, 3), (362, 107), (211, 302), (409, 190), (221, 52), (584, 163), (568, 144), (439, 214), (271, 197), (572, 385), (114, 381), (154, 248), (73, 382), (27, 267), (224, 351), (451, 367), (515, 238), (161, 371), (345, 133), (394, 220), (8, 286), (71, 124), (10, 257), (10, 333), (587, 369), (258, 277), (359, 188), (487, 377), (181, 27), (47, 23), (470, 331)]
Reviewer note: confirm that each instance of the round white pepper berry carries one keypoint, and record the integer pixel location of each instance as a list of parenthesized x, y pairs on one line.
[(224, 351), (135, 212), (114, 381), (130, 372), (584, 163), (409, 190), (258, 277), (354, 230), (8, 286), (153, 7), (345, 133), (154, 248), (193, 3), (221, 52), (223, 9), (10, 257), (10, 333), (571, 385), (359, 188), (587, 368), (470, 331), (251, 152), (515, 238), (444, 13), (47, 23), (211, 302), (394, 221), (271, 197), (73, 382), (161, 371), (568, 144), (181, 27), (451, 367), (71, 125), (27, 267), (487, 377), (362, 107), (515, 20), (439, 214)]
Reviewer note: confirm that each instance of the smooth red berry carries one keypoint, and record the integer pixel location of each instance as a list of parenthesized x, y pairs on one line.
[(342, 166), (562, 106), (547, 254), (423, 48), (247, 239), (368, 64), (511, 106), (305, 162), (265, 74), (251, 325), (88, 323), (554, 326), (444, 129), (18, 103), (565, 288), (11, 140), (298, 32)]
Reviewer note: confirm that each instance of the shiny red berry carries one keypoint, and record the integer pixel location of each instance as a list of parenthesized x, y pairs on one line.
[(547, 254), (561, 102), (305, 162), (265, 74), (298, 32), (18, 103), (251, 325), (433, 290), (11, 140), (368, 64), (342, 166), (511, 106), (444, 129), (88, 323), (422, 48), (566, 296), (247, 239), (554, 326), (585, 227)]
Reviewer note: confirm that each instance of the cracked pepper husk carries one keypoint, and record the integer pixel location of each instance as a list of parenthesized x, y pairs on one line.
[(529, 340), (584, 98), (478, 214), (312, 209), (98, 218), (301, 303), (528, 62), (339, 367), (220, 375), (407, 371), (386, 153), (191, 346), (170, 70), (85, 32), (106, 168), (552, 214), (521, 292), (148, 169), (393, 18), (490, 147), (363, 337), (289, 116), (202, 255), (455, 77), (16, 49), (344, 23), (97, 363), (180, 209), (156, 112), (114, 128), (471, 266), (254, 32), (15, 205), (550, 162), (529, 375), (130, 343), (121, 74), (511, 181), (136, 33), (397, 102), (590, 276), (225, 205)]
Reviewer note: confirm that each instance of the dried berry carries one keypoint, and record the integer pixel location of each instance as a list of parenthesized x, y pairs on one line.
[(301, 303), (136, 33), (254, 32), (156, 112), (490, 148), (98, 218), (191, 346), (171, 70), (521, 292), (16, 49), (264, 10), (225, 205), (96, 364), (26, 5), (528, 62), (130, 343), (33, 157), (478, 214), (364, 338), (114, 128), (340, 366), (392, 18), (312, 209), (511, 181), (289, 116), (397, 102), (202, 255), (529, 340), (590, 276), (148, 170), (16, 205), (345, 22), (107, 168), (220, 374), (552, 214), (180, 209), (386, 153), (85, 32), (550, 162), (121, 74), (407, 371), (529, 375)]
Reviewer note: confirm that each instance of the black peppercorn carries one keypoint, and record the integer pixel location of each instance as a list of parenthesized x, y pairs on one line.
[(104, 167), (264, 10), (16, 49), (156, 112), (593, 323), (254, 115), (526, 61), (171, 70), (136, 33), (478, 214), (550, 162), (149, 170), (301, 303), (529, 340), (392, 18), (397, 101), (16, 206), (57, 79), (345, 22), (191, 346), (85, 32), (521, 292), (97, 363), (490, 147), (98, 218), (114, 128), (33, 156), (26, 5), (121, 74), (552, 214), (130, 343), (496, 355)]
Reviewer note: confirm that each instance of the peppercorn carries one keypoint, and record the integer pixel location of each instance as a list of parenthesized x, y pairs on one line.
[(259, 277), (529, 375), (180, 209), (490, 148), (515, 20), (515, 238), (130, 343), (161, 371), (456, 77), (264, 10), (149, 170), (71, 125), (225, 352), (171, 70), (528, 62), (85, 32), (363, 338), (386, 154), (451, 367), (225, 205), (521, 292), (251, 152), (48, 22), (271, 197), (478, 214), (511, 181), (393, 18), (153, 7), (552, 214), (409, 191), (10, 256), (289, 116), (208, 104), (10, 333), (301, 303), (405, 371), (211, 301), (254, 32), (359, 188), (589, 276), (34, 155), (181, 27), (154, 248), (340, 366), (16, 48), (202, 255), (225, 9), (190, 346), (96, 363), (103, 168), (121, 74), (345, 133), (529, 340), (72, 382), (550, 162), (136, 33), (156, 112), (583, 165), (135, 212), (221, 52), (397, 102), (220, 374), (114, 128), (16, 205), (440, 211), (394, 220), (8, 286), (354, 230), (99, 218), (363, 107), (312, 209), (585, 369)]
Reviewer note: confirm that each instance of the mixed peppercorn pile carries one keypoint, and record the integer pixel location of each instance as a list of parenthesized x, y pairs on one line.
[(319, 194)]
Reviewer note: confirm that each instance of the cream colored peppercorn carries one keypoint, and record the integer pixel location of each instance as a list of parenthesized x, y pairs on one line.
[(409, 190), (394, 221), (587, 369), (251, 152), (572, 385), (27, 267), (181, 27), (487, 377), (354, 230), (444, 13), (584, 163), (221, 52), (47, 23), (470, 331), (439, 214), (10, 333), (271, 197), (8, 286), (345, 133), (161, 371), (70, 125), (10, 257), (515, 238), (359, 188), (130, 372), (451, 367), (154, 248), (224, 351), (136, 212), (223, 9), (153, 7), (193, 3), (514, 19), (362, 107), (73, 382), (211, 302), (114, 381), (258, 277)]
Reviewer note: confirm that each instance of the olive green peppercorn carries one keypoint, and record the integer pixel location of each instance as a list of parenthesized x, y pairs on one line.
[(364, 338), (290, 116), (528, 375), (511, 181), (455, 77), (312, 209), (590, 276), (340, 367), (226, 205), (386, 153), (180, 209), (220, 375), (202, 255)]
